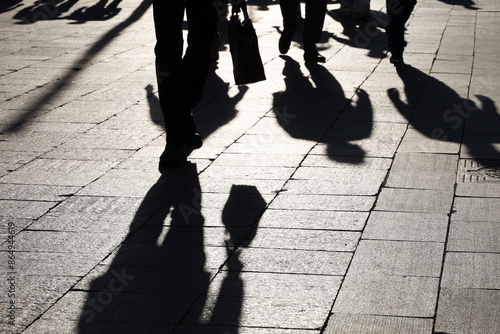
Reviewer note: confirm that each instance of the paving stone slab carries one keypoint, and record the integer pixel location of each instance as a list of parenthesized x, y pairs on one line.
[(25, 314), (468, 311), (25, 209), (374, 324), (452, 64), (93, 205), (246, 172), (408, 226), (256, 312), (79, 111), (258, 159), (66, 242), (169, 256), (272, 260), (338, 241), (403, 296), (54, 264), (397, 258), (423, 171), (119, 308), (259, 144), (221, 184), (352, 163), (322, 202), (187, 329), (347, 184), (58, 172), (63, 326), (126, 183), (275, 286), (473, 237), (471, 271), (474, 209), (66, 153), (414, 200), (309, 219), (36, 192), (105, 223)]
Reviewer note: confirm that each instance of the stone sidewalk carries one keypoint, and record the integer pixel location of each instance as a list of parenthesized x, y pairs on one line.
[(349, 197)]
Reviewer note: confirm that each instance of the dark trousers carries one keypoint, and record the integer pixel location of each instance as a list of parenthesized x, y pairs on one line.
[(181, 77), (398, 12), (314, 19)]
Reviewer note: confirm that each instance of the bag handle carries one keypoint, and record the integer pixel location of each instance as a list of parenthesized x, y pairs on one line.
[(237, 5)]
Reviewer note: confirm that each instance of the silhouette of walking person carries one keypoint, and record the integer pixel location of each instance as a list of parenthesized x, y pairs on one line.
[(398, 13), (438, 112), (181, 78), (313, 27)]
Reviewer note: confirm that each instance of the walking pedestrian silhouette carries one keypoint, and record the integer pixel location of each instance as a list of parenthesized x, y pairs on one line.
[(439, 112), (156, 282), (309, 107)]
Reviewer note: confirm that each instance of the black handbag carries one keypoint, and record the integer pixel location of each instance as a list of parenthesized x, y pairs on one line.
[(244, 47)]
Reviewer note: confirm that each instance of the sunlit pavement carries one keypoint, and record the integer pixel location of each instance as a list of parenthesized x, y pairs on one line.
[(347, 197)]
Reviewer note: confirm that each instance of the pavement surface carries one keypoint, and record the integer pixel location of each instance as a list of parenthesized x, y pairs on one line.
[(348, 197)]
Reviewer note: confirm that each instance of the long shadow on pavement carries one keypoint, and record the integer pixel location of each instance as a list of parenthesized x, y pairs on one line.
[(438, 112), (62, 83), (158, 277), (308, 111), (364, 34)]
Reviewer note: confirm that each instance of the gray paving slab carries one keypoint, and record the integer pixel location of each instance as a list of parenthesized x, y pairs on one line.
[(473, 237), (402, 296), (308, 219), (468, 311), (473, 209), (386, 225), (322, 202), (470, 271), (422, 171), (366, 323), (414, 200)]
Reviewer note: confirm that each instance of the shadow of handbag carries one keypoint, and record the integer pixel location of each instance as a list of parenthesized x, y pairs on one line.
[(244, 47)]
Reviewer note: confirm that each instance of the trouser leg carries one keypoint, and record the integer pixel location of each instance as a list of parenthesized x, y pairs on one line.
[(313, 25), (181, 78), (289, 13), (398, 13)]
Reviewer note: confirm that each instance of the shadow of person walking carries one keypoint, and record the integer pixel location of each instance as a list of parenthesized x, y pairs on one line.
[(223, 309), (153, 279), (309, 107), (8, 5), (157, 280), (363, 34), (44, 10), (100, 11), (438, 112)]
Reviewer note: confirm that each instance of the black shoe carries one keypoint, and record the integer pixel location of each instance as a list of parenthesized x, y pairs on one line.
[(285, 42), (192, 140), (172, 157), (314, 56), (396, 57)]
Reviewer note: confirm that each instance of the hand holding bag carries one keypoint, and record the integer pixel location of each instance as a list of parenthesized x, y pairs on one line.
[(244, 47)]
